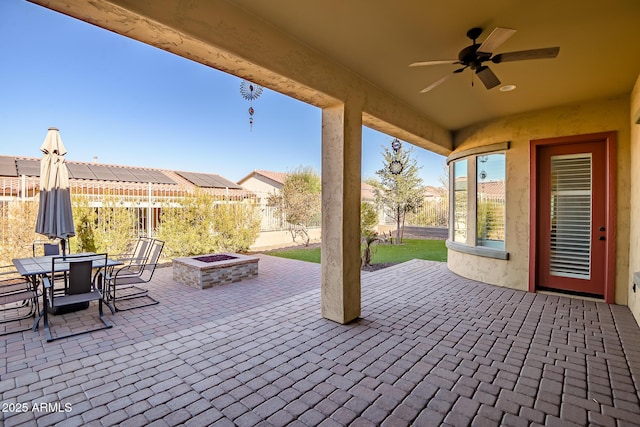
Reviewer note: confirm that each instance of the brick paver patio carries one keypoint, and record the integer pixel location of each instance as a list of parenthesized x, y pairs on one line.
[(431, 348)]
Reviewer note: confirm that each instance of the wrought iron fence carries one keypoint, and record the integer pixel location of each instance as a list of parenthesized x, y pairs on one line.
[(433, 213), (19, 199), (272, 220)]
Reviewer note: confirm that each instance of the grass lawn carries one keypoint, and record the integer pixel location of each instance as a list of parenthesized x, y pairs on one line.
[(433, 250)]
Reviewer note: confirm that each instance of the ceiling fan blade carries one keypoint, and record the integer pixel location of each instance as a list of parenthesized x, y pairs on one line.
[(435, 84), (547, 52), (446, 61), (495, 39), (487, 77)]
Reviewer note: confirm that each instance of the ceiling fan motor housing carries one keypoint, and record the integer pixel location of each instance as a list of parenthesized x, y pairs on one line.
[(470, 57)]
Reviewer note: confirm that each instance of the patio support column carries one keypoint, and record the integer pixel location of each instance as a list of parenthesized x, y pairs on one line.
[(341, 182)]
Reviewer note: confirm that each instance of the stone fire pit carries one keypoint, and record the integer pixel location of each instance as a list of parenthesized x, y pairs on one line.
[(205, 271)]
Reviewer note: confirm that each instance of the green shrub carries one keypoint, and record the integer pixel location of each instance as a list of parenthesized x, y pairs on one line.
[(368, 219), (17, 225), (199, 224), (85, 219), (108, 228), (187, 228), (236, 226)]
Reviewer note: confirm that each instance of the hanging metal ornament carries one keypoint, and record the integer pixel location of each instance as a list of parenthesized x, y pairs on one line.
[(250, 92), (483, 160), (396, 167), (396, 144)]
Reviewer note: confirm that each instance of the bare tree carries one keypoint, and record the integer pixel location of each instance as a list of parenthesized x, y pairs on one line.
[(444, 178)]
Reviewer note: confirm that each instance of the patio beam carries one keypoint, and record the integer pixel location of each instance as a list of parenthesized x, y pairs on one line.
[(220, 35), (341, 182)]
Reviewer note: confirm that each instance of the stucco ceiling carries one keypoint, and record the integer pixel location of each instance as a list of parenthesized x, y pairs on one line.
[(599, 49)]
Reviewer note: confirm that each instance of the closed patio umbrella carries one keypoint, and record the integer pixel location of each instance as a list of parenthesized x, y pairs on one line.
[(55, 219)]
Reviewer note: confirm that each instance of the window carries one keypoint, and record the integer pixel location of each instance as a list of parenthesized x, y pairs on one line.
[(490, 200), (460, 201), (478, 205)]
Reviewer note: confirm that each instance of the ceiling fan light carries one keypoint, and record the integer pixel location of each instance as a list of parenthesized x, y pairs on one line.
[(507, 88)]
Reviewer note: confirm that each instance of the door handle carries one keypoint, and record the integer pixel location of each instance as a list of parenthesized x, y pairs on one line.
[(602, 238)]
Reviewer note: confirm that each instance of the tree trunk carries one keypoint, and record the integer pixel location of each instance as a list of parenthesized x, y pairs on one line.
[(305, 235), (398, 237)]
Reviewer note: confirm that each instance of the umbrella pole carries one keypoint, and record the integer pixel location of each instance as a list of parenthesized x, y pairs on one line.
[(63, 244)]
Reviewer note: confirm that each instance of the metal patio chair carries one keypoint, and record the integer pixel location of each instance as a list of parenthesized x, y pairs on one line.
[(123, 281), (135, 259), (82, 284), (18, 298), (45, 248)]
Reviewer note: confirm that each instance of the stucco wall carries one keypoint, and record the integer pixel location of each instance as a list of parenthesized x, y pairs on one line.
[(634, 243), (611, 114), (260, 187)]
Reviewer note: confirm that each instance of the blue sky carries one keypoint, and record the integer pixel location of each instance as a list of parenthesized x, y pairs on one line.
[(128, 103)]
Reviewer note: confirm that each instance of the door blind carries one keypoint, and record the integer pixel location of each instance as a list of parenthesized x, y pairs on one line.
[(570, 251)]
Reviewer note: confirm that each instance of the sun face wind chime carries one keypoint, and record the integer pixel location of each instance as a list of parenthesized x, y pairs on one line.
[(250, 92)]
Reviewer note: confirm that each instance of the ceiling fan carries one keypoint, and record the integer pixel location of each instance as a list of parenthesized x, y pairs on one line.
[(477, 54)]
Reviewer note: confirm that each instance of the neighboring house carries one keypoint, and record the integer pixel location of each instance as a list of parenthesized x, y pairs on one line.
[(436, 194), (142, 189), (263, 183), (491, 190), (367, 193)]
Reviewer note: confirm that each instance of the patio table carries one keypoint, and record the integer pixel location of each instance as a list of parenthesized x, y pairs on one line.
[(33, 268)]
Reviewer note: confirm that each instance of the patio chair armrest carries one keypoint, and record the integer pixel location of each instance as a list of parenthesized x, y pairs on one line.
[(124, 272), (114, 273), (14, 286), (9, 270), (130, 260)]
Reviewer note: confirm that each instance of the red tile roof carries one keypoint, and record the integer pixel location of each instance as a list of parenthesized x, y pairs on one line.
[(278, 177), (491, 189)]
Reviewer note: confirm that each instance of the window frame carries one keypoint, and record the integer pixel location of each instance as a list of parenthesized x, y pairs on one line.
[(471, 246)]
